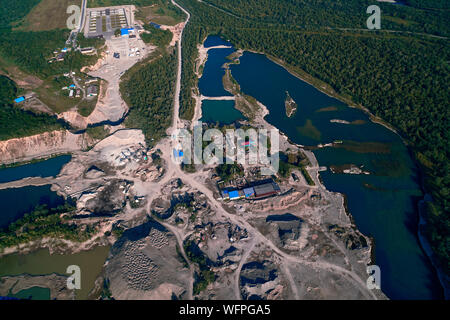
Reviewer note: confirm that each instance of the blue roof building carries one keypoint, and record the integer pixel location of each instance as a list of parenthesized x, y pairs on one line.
[(249, 192), (178, 153), (234, 194), (124, 32), (20, 99), (225, 195)]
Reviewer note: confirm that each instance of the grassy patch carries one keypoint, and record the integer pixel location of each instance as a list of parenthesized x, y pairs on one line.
[(399, 21), (56, 99), (86, 107), (15, 10), (47, 15), (161, 13), (108, 3)]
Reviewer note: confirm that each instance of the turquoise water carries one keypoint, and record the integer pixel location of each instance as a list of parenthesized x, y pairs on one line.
[(15, 202), (383, 204), (221, 111), (46, 168)]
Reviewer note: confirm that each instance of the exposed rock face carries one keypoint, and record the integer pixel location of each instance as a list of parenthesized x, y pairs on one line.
[(41, 145), (287, 231), (75, 119), (109, 199), (138, 269), (258, 279), (94, 173)]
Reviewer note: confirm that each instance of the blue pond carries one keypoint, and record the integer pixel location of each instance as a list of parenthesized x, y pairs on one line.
[(46, 168), (384, 203), (213, 41), (210, 84), (16, 202)]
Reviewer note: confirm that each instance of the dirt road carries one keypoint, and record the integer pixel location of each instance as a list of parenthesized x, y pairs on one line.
[(176, 104)]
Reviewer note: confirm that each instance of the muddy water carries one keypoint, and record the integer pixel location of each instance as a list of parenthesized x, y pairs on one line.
[(41, 262)]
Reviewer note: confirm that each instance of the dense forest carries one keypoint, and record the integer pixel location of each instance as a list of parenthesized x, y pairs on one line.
[(148, 89), (323, 14), (11, 11), (432, 4), (401, 77), (157, 37), (44, 222), (15, 122)]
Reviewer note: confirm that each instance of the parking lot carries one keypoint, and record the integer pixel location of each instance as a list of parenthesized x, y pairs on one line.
[(104, 21)]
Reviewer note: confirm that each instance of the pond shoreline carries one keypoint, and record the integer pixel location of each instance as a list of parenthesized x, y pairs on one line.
[(330, 93)]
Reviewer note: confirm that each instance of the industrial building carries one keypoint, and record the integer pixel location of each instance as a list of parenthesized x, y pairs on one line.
[(88, 50), (126, 32), (267, 189), (249, 192), (19, 99), (252, 192)]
